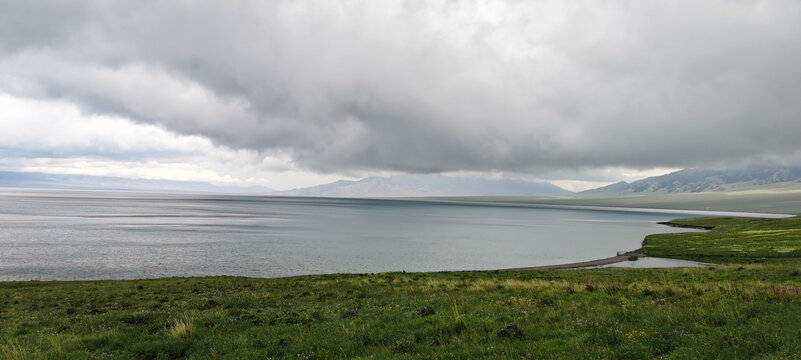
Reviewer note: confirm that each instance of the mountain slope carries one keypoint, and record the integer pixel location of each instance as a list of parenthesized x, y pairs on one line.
[(427, 185), (699, 180)]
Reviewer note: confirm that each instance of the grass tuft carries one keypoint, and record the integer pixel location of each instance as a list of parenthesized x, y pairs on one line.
[(182, 328)]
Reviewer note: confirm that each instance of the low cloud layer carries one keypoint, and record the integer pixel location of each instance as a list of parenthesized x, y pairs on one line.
[(428, 86)]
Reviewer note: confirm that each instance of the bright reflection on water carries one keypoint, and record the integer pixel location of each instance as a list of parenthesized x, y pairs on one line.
[(102, 235)]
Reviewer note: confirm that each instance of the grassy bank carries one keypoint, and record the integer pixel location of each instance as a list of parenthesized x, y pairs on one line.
[(747, 308), (732, 240)]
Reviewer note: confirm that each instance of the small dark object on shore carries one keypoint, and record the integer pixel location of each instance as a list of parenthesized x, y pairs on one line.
[(633, 257), (426, 311), (350, 313), (547, 301), (511, 331)]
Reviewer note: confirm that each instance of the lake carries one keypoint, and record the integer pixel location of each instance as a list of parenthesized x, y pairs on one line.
[(73, 235)]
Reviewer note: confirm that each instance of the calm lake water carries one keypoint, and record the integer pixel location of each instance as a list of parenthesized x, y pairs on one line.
[(68, 235)]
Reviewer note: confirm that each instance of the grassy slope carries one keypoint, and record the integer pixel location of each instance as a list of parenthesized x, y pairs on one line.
[(781, 198), (747, 309)]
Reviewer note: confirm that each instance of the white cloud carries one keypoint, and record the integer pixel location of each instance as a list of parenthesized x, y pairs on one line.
[(55, 137), (541, 88), (59, 128)]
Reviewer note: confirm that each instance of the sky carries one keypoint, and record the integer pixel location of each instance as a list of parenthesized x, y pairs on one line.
[(286, 94)]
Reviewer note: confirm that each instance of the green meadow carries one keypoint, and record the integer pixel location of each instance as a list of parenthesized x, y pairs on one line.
[(748, 307)]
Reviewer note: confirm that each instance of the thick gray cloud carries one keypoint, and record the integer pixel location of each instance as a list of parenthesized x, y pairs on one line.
[(428, 86)]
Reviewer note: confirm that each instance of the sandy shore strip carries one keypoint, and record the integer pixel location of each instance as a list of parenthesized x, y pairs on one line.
[(591, 263)]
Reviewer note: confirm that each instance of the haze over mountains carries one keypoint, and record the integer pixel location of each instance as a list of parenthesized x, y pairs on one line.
[(428, 185), (86, 182), (704, 180), (395, 186)]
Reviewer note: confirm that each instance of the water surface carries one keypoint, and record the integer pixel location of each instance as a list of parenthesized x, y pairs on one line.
[(69, 235)]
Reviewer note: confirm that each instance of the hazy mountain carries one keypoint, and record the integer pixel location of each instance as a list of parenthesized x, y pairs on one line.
[(427, 185), (86, 182), (698, 180)]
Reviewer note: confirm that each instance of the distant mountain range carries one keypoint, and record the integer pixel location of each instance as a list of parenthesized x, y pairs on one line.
[(87, 182), (427, 185), (699, 180), (683, 181)]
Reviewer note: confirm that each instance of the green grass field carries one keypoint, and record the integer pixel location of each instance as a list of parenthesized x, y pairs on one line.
[(750, 307)]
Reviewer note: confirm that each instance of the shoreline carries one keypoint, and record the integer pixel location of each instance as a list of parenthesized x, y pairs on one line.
[(675, 225), (582, 265), (575, 265)]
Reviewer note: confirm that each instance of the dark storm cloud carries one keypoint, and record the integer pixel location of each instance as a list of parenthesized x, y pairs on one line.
[(423, 86)]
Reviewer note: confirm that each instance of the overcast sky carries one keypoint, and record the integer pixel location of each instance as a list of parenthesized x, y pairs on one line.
[(294, 93)]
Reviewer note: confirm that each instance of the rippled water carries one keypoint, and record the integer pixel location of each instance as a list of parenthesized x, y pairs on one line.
[(105, 235)]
